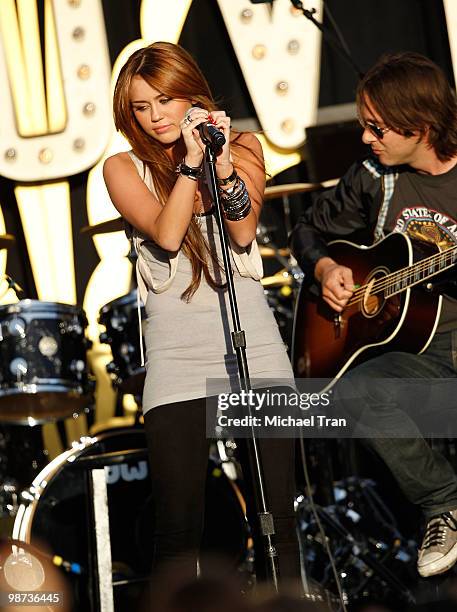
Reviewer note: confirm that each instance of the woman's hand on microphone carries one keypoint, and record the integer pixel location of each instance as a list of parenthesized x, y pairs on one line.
[(194, 117), (224, 166), (195, 147), (222, 122)]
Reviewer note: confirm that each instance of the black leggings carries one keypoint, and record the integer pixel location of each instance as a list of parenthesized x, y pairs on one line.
[(178, 454)]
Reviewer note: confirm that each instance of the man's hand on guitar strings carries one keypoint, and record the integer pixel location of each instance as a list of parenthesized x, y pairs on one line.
[(336, 281)]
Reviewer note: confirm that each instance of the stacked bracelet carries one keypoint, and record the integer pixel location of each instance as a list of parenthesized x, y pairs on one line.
[(185, 170), (235, 201), (229, 179)]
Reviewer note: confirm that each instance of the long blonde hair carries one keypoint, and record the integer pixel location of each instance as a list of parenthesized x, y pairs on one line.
[(171, 70)]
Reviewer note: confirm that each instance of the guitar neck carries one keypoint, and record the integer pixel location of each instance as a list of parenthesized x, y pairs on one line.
[(426, 268)]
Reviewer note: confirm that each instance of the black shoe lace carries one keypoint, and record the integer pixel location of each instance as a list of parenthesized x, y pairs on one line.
[(436, 529)]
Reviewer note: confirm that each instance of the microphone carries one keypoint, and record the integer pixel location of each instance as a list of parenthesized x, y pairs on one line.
[(209, 133)]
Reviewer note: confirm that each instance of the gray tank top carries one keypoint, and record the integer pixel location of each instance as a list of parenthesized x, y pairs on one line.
[(189, 350)]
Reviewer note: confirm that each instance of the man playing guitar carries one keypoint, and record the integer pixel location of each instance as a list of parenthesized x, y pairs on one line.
[(408, 185)]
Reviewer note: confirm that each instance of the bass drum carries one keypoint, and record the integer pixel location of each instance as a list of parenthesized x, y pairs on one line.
[(54, 515), (43, 365)]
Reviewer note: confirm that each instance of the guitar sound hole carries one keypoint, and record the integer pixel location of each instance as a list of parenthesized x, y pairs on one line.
[(372, 305), (373, 298)]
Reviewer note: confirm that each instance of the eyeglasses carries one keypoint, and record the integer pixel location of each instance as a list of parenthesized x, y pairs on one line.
[(377, 131)]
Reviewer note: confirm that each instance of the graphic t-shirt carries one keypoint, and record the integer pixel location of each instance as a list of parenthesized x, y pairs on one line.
[(425, 207)]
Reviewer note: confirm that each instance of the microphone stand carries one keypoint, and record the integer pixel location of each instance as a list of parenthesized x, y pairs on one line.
[(337, 43), (328, 36), (266, 521)]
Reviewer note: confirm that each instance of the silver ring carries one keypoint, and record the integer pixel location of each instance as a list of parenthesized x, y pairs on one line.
[(187, 120)]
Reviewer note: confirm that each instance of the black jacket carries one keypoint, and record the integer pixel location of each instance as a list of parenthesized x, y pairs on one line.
[(349, 210)]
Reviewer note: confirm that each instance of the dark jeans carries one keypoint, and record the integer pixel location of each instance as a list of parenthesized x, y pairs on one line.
[(178, 455), (424, 475)]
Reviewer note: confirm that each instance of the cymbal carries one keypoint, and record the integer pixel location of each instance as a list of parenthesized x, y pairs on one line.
[(106, 227), (267, 252), (7, 241), (280, 279), (279, 191)]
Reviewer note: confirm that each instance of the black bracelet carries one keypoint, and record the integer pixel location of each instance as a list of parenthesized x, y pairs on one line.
[(236, 211), (235, 201), (185, 170), (239, 215), (237, 188), (229, 179)]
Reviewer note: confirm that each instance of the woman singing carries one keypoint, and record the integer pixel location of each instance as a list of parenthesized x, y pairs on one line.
[(160, 190)]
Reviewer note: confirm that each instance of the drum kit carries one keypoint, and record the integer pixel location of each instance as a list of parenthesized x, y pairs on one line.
[(44, 370), (45, 377)]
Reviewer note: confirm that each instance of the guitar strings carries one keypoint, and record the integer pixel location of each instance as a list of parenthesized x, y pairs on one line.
[(396, 277), (409, 271)]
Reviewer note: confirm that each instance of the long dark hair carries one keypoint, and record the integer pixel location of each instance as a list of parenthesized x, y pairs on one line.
[(411, 93)]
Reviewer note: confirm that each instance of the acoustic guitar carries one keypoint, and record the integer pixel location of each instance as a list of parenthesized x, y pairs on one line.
[(394, 306)]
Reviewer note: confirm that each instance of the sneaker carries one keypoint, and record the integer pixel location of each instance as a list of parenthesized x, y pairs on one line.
[(438, 552)]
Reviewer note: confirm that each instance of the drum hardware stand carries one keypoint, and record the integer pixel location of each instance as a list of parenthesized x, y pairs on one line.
[(100, 576), (12, 285), (264, 239), (347, 545), (266, 520), (290, 263), (286, 207)]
